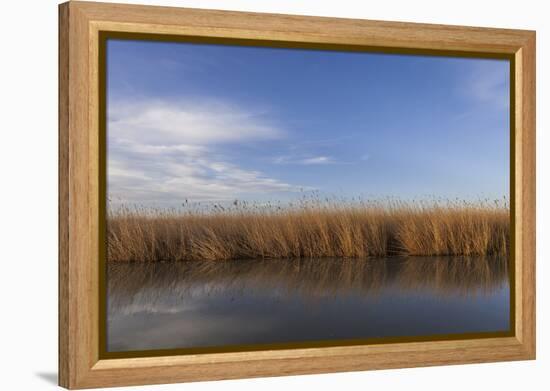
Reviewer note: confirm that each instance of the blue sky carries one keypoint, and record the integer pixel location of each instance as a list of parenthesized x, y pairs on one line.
[(218, 123)]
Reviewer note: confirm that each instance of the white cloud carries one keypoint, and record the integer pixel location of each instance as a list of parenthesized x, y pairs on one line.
[(162, 152), (317, 160), (488, 84), (310, 160), (160, 123)]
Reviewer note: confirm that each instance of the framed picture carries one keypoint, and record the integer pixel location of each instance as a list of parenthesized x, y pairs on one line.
[(247, 195)]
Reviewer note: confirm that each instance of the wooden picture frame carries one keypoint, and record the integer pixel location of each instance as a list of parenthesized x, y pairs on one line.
[(81, 364)]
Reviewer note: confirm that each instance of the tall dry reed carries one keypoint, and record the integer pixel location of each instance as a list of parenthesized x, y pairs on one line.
[(311, 229)]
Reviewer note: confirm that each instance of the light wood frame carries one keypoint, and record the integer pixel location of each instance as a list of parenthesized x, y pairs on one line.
[(80, 365)]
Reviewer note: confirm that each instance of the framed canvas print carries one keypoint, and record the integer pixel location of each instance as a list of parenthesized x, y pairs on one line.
[(248, 195)]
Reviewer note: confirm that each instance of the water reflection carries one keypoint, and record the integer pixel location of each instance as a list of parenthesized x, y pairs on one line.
[(197, 304)]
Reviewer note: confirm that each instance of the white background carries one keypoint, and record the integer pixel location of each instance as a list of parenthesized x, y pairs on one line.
[(28, 204)]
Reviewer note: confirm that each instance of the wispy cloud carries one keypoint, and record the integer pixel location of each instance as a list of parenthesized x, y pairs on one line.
[(164, 123), (164, 152), (318, 160), (312, 160), (488, 83)]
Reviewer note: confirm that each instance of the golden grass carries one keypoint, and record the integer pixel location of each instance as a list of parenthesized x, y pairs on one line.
[(311, 229)]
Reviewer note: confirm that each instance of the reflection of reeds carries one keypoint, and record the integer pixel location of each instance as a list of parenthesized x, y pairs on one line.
[(309, 230), (305, 277)]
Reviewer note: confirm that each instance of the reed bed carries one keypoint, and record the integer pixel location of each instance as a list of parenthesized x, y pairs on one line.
[(309, 229)]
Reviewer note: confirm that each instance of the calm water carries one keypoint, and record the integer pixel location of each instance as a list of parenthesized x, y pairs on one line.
[(201, 304)]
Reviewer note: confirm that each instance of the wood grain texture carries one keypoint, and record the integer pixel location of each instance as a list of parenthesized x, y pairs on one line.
[(80, 24), (77, 261), (527, 187), (63, 200), (291, 28)]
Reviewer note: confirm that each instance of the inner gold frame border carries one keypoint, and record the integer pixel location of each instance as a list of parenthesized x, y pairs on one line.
[(83, 26)]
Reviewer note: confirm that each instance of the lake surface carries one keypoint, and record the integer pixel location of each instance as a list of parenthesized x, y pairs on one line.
[(211, 304)]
